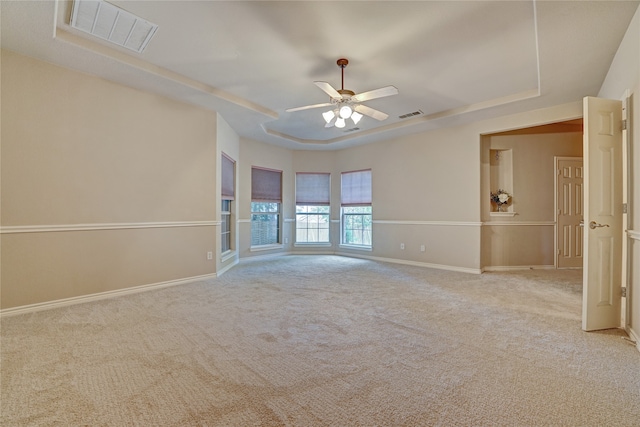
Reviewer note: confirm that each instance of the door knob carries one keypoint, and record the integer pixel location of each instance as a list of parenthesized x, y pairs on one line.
[(593, 225)]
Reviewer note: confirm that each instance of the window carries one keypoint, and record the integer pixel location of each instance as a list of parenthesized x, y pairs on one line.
[(356, 225), (312, 224), (312, 207), (265, 223), (225, 234), (356, 212), (266, 198), (228, 195)]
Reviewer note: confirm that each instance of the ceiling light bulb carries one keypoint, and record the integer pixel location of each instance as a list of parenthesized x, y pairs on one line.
[(328, 116), (340, 122), (345, 112), (356, 117)]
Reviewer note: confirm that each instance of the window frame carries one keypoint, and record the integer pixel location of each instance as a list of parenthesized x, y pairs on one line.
[(365, 217), (226, 236), (273, 213), (356, 192), (318, 229), (313, 199), (227, 190), (266, 189)]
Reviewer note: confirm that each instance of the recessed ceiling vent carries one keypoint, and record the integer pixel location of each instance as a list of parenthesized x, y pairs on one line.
[(351, 130), (406, 116), (109, 22)]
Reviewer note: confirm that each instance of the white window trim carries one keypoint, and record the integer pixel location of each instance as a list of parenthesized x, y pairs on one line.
[(319, 244), (227, 255), (351, 246), (281, 221)]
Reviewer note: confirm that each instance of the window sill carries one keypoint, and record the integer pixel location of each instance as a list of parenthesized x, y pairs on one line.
[(266, 247), (357, 248), (503, 213), (307, 245), (225, 256)]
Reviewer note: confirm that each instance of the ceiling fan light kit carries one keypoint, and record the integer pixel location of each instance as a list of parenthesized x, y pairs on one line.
[(346, 104), (345, 111), (328, 115)]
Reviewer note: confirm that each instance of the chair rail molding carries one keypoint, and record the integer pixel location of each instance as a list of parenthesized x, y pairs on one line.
[(104, 226), (520, 223), (634, 234)]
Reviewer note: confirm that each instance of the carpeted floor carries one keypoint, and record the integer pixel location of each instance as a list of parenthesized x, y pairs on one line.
[(324, 341)]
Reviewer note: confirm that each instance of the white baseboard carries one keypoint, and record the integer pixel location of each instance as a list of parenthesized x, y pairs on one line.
[(228, 267), (414, 263), (518, 267), (120, 292), (357, 255), (31, 308), (264, 256), (314, 252), (635, 337)]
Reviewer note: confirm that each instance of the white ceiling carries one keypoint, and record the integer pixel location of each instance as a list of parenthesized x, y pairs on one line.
[(455, 61)]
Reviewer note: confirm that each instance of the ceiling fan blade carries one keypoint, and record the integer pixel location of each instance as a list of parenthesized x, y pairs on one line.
[(328, 89), (377, 93), (368, 111), (307, 107)]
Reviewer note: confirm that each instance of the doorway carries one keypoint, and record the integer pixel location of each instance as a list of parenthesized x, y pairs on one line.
[(525, 235)]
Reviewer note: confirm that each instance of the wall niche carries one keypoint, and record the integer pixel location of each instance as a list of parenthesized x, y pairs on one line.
[(501, 178)]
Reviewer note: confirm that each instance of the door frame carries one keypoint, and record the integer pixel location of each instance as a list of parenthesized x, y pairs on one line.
[(626, 195)]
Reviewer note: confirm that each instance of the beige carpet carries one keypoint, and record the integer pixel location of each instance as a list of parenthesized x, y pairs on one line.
[(324, 341)]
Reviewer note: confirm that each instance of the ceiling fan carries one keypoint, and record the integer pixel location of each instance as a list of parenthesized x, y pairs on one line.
[(346, 103)]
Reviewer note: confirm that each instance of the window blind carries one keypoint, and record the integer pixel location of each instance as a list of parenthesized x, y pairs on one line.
[(356, 188), (228, 178), (266, 185), (313, 188)]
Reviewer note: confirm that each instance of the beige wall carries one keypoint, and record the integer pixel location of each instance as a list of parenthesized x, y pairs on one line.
[(427, 191), (103, 187), (527, 238), (113, 176), (141, 173)]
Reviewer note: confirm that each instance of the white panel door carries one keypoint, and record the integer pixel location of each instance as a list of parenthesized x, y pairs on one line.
[(569, 215), (602, 267)]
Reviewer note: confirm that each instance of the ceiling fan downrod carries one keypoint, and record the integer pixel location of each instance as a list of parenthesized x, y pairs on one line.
[(342, 63)]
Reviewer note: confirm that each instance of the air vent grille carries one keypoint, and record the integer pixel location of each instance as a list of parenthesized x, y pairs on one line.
[(406, 116), (109, 22), (352, 130)]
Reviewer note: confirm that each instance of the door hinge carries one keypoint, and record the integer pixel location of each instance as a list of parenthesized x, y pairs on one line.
[(624, 208), (624, 124), (624, 292)]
